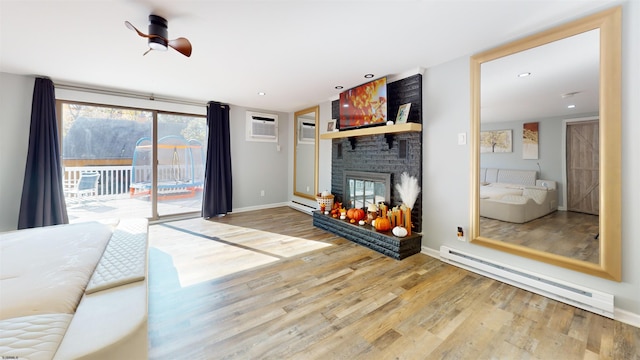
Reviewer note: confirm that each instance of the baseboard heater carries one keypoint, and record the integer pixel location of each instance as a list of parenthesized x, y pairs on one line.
[(578, 296), (302, 207)]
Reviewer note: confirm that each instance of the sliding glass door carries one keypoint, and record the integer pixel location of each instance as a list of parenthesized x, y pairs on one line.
[(117, 146)]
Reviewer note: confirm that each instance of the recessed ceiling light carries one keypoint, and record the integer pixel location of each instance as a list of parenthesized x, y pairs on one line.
[(571, 106), (524, 74), (368, 76), (339, 87), (262, 93)]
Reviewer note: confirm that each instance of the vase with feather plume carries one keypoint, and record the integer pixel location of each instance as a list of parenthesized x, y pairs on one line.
[(408, 189)]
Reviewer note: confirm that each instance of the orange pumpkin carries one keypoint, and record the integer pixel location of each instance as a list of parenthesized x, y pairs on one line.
[(383, 224), (358, 214), (350, 213)]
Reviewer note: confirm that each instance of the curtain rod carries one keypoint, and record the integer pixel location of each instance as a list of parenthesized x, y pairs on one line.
[(127, 94)]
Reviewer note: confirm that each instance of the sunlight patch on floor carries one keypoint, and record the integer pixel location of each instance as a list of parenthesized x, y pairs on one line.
[(222, 249)]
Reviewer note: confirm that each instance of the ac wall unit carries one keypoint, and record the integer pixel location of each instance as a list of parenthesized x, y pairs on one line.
[(262, 127), (307, 133)]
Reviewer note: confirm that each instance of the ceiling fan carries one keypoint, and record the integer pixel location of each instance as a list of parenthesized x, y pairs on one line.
[(158, 36)]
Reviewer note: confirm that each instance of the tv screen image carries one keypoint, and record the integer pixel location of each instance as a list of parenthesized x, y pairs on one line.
[(364, 105)]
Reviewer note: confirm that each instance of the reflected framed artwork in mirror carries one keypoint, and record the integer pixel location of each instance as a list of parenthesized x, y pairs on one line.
[(563, 205), (495, 141), (305, 154)]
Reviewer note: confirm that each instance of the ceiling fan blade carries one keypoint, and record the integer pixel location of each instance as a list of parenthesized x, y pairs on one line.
[(131, 27), (182, 45)]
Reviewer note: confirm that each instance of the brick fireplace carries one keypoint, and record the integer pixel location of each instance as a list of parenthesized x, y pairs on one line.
[(372, 154), (391, 154)]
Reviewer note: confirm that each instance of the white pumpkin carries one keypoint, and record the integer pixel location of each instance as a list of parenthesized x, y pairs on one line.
[(326, 193), (399, 231)]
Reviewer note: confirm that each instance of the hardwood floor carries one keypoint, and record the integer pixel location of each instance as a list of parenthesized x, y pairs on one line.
[(564, 233), (268, 285)]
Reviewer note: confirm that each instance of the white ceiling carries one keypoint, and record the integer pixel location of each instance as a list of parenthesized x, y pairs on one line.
[(294, 51)]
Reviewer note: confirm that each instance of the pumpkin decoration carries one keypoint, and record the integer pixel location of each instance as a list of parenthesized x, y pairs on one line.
[(358, 214), (382, 224), (399, 231), (355, 214)]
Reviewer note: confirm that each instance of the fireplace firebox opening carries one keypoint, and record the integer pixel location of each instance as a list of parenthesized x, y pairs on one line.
[(363, 188)]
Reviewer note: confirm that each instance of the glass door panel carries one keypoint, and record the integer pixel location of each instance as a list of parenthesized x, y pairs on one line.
[(102, 142), (181, 163)]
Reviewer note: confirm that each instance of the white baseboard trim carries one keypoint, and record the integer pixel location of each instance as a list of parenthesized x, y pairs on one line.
[(428, 251), (259, 207), (627, 317), (623, 316)]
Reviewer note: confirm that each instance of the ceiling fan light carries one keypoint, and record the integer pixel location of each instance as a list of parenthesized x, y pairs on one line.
[(157, 45)]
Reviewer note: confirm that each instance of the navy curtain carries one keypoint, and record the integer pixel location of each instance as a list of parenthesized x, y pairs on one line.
[(42, 191), (216, 199)]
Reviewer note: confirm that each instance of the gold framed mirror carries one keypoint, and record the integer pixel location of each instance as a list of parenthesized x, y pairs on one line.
[(305, 153), (606, 27)]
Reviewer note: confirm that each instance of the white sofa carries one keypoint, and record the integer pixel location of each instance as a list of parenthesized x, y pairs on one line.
[(75, 291), (516, 196)]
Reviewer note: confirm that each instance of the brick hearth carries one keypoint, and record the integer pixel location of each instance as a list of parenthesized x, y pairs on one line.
[(384, 243)]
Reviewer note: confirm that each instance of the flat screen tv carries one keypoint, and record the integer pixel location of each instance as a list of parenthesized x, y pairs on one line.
[(364, 105)]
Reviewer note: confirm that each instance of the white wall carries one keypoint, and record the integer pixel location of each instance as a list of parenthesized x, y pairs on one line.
[(15, 118), (446, 94), (258, 166)]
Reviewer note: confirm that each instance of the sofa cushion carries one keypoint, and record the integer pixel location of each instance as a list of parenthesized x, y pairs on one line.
[(109, 324), (125, 259), (46, 270), (33, 337)]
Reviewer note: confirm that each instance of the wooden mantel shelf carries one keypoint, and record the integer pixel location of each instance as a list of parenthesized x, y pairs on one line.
[(374, 130)]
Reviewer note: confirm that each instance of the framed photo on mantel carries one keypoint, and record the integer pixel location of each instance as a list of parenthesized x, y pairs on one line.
[(331, 126), (403, 113)]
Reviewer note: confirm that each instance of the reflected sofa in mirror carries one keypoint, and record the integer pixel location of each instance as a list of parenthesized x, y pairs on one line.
[(560, 91), (305, 154)]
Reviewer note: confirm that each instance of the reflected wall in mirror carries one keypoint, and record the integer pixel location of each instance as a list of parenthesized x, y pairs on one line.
[(305, 154), (564, 207)]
